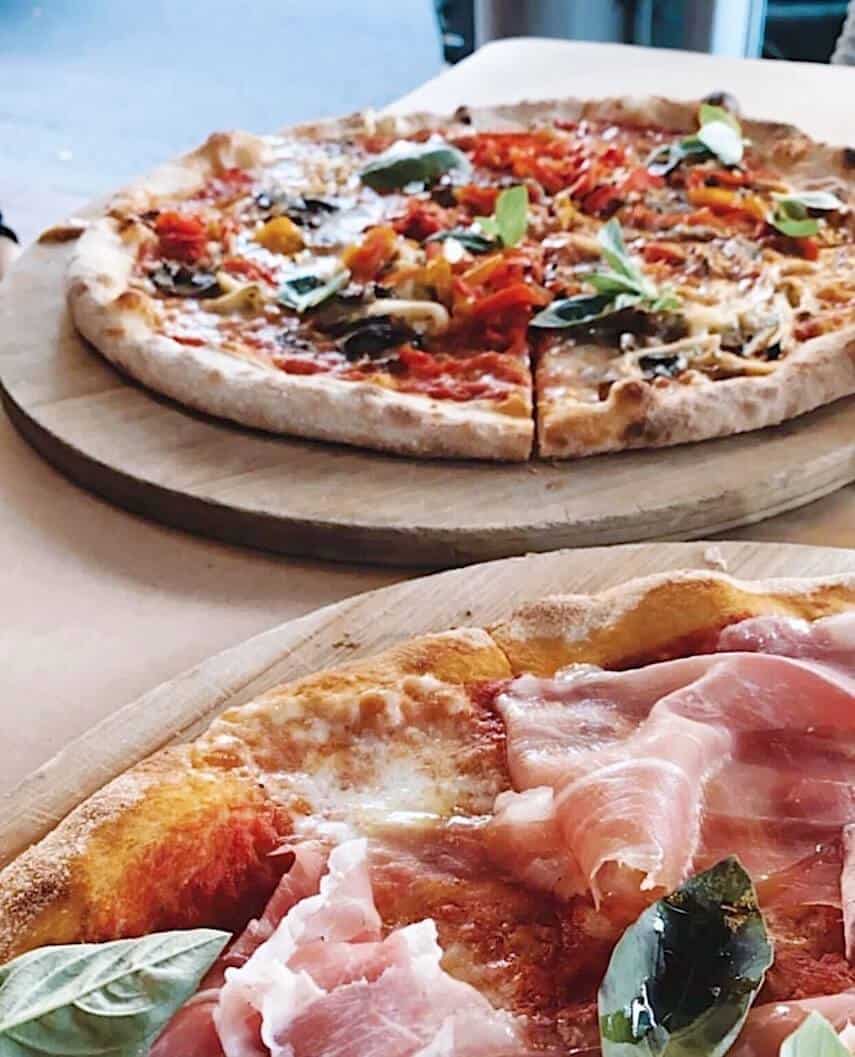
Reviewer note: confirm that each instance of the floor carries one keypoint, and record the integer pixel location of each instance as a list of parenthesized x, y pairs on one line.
[(93, 92)]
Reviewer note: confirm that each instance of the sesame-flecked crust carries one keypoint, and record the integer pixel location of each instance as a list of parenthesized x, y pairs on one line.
[(184, 838)]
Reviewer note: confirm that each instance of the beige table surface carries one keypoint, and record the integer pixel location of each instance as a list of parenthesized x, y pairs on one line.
[(99, 606)]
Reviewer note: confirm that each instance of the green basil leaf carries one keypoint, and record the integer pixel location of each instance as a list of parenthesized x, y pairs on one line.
[(794, 227), (814, 1037), (307, 290), (101, 999), (489, 225), (708, 114), (723, 140), (468, 239), (575, 311), (666, 301), (612, 283), (512, 215), (669, 155), (613, 248), (823, 201), (682, 978), (406, 163)]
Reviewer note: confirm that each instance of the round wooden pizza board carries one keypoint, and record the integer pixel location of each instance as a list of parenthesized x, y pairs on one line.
[(359, 627), (149, 455)]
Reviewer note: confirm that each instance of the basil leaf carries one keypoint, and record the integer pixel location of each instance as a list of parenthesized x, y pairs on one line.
[(667, 301), (794, 227), (406, 163), (510, 217), (105, 999), (669, 155), (489, 225), (682, 978), (575, 311), (305, 291), (708, 114), (612, 283), (512, 214), (613, 248), (723, 140), (814, 1037), (468, 239), (824, 201), (720, 134)]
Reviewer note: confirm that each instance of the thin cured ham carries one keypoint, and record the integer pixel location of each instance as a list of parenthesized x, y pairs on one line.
[(831, 640), (326, 984), (768, 1025), (191, 1032), (323, 981), (847, 887), (659, 770)]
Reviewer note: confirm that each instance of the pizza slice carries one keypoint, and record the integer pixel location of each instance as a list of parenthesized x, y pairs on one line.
[(707, 293), (455, 847), (261, 280)]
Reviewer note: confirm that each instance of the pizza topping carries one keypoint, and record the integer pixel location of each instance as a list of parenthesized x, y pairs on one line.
[(662, 364), (469, 239), (770, 1026), (719, 135), (372, 335), (106, 998), (305, 210), (182, 236), (306, 290), (684, 975), (509, 221), (814, 1037), (406, 163), (656, 769), (328, 977), (177, 280), (622, 286), (368, 259), (792, 211), (280, 235)]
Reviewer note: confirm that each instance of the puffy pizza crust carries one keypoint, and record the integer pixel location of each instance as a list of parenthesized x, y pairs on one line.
[(116, 321), (184, 838), (655, 618), (636, 413)]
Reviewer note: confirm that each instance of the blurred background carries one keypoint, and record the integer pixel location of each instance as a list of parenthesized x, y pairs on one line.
[(93, 92)]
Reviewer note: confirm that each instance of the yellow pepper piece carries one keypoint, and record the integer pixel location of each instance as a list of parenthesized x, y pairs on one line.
[(280, 235)]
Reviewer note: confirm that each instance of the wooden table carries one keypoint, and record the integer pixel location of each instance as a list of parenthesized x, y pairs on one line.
[(100, 606)]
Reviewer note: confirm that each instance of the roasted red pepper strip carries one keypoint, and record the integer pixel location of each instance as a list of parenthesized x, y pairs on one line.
[(368, 258), (518, 295), (251, 270), (669, 252)]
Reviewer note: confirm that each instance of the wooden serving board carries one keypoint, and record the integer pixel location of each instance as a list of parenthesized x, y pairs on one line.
[(358, 627), (151, 456)]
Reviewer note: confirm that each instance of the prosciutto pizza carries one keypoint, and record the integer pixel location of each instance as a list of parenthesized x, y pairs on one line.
[(617, 824), (560, 278)]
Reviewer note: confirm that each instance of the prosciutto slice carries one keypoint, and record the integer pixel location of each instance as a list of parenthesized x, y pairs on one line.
[(326, 984), (191, 1032), (768, 1025), (661, 770), (831, 640)]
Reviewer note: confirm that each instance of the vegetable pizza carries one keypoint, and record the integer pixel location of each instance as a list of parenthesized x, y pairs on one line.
[(553, 279)]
